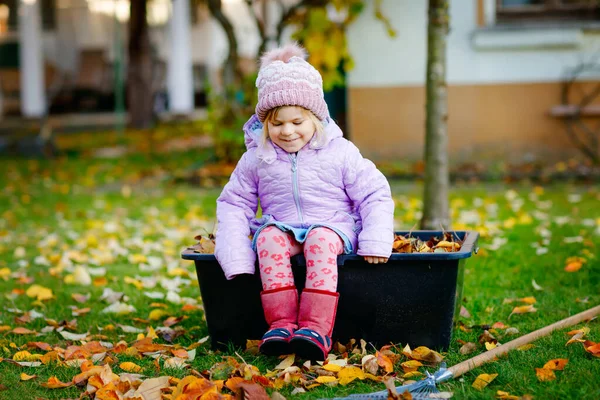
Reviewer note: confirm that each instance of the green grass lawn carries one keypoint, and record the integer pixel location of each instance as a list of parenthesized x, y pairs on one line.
[(83, 226)]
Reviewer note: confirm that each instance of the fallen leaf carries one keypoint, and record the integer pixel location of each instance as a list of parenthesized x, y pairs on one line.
[(545, 375), (528, 300), (384, 362), (287, 362), (350, 373), (506, 396), (25, 377), (423, 353), (73, 336), (526, 347), (464, 312), (119, 308), (326, 379), (523, 310), (489, 346), (252, 391), (150, 389), (483, 380), (39, 292), (130, 367), (23, 331), (573, 266), (157, 314), (412, 365), (369, 364), (80, 298), (55, 383), (130, 329), (592, 348), (556, 364), (468, 348), (535, 285)]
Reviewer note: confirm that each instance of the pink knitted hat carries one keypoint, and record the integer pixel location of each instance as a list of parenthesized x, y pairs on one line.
[(285, 78)]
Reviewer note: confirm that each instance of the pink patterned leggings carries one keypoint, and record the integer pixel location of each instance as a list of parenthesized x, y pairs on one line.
[(321, 248)]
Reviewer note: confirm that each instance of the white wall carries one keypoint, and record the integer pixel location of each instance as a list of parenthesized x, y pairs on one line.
[(382, 61)]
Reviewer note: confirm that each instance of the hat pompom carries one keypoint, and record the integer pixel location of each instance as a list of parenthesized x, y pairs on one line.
[(283, 54)]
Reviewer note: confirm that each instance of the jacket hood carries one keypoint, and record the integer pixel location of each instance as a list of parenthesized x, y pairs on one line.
[(268, 153)]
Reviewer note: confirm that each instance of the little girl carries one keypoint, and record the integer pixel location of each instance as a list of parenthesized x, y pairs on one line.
[(318, 196)]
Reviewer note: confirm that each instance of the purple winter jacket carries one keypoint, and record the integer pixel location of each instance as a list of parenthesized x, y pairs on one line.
[(328, 184)]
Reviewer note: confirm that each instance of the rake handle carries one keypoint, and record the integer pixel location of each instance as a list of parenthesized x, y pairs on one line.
[(483, 358)]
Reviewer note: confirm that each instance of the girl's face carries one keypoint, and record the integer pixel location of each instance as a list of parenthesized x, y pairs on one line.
[(291, 128)]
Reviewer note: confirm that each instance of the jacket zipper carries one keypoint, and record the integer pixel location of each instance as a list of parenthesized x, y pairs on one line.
[(294, 159)]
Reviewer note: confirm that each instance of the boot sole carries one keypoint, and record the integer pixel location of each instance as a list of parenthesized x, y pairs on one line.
[(307, 349), (275, 348)]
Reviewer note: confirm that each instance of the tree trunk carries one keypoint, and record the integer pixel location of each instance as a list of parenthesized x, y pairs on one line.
[(139, 68), (232, 74), (435, 199)]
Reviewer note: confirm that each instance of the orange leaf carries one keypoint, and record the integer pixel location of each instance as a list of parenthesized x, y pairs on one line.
[(23, 331), (556, 364), (384, 362), (573, 266), (545, 375), (233, 384), (130, 367), (592, 348), (181, 353), (54, 383), (40, 345)]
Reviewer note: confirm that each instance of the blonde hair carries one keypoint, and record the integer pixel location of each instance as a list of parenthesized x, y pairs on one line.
[(272, 114)]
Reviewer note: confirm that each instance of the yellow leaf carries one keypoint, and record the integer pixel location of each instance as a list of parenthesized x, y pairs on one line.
[(523, 309), (483, 380), (407, 351), (286, 363), (332, 367), (490, 345), (412, 374), (152, 333), (326, 379), (423, 353), (544, 374), (556, 364), (130, 367), (39, 292), (350, 373), (411, 365), (135, 282), (178, 272), (4, 273), (25, 377), (506, 396), (157, 314), (26, 356), (526, 347), (528, 300)]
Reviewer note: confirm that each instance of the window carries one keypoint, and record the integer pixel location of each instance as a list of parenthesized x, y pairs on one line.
[(47, 8), (547, 10)]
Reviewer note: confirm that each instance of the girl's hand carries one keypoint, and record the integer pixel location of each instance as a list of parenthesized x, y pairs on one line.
[(376, 260)]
